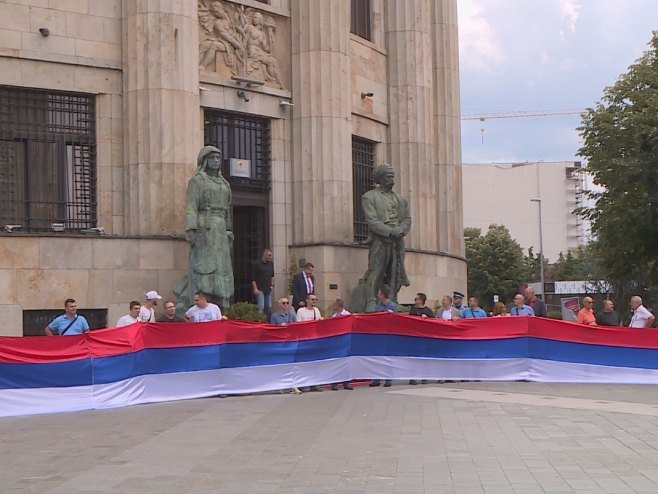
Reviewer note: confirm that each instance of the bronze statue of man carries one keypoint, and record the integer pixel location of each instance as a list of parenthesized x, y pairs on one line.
[(208, 226), (387, 216)]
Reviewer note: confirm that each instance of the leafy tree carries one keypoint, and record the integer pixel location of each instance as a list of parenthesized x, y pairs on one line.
[(496, 264), (533, 266), (621, 146)]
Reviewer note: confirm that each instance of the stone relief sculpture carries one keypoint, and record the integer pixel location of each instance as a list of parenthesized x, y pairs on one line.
[(208, 227), (388, 219), (244, 38), (221, 37)]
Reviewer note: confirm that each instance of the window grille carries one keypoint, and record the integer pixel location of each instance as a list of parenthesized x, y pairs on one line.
[(360, 19), (363, 163), (243, 137), (47, 159)]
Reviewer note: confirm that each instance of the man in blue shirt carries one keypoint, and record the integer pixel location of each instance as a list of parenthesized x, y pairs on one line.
[(284, 315), (520, 308), (473, 310), (68, 323), (384, 304)]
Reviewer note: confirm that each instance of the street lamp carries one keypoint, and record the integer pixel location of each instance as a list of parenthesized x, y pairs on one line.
[(541, 251)]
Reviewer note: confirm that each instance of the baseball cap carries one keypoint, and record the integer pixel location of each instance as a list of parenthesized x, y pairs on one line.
[(153, 295)]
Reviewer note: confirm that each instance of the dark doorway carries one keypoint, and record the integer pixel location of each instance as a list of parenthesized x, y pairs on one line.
[(250, 237)]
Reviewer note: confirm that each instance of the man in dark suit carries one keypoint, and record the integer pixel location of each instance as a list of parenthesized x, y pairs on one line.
[(303, 284)]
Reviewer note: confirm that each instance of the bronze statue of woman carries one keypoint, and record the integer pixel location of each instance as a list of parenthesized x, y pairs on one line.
[(208, 226)]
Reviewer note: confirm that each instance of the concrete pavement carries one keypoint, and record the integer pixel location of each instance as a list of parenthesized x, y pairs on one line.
[(494, 438)]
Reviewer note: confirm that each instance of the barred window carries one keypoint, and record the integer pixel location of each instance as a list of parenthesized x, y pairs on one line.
[(360, 19), (241, 137), (47, 159), (363, 163)]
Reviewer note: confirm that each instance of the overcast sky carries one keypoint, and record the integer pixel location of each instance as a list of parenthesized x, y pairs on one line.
[(541, 55)]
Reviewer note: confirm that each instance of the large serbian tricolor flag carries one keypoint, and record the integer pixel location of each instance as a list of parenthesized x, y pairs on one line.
[(146, 363)]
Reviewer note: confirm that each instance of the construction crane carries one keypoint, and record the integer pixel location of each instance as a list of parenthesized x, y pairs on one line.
[(522, 114)]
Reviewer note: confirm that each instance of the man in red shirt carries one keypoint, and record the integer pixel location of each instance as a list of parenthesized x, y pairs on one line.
[(586, 314)]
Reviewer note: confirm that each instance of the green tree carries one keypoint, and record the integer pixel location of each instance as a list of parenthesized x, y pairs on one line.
[(496, 264), (621, 146), (532, 263)]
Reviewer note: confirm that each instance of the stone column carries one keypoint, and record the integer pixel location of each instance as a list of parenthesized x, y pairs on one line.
[(162, 124), (322, 147), (411, 99), (447, 125)]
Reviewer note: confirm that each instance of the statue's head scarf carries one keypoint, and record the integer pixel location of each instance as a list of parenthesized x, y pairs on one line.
[(380, 171), (203, 154)]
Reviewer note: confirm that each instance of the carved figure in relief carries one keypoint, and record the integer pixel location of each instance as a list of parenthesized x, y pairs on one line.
[(260, 39), (243, 36), (221, 37)]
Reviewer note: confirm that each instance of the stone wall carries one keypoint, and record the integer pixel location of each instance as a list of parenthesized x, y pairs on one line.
[(41, 272)]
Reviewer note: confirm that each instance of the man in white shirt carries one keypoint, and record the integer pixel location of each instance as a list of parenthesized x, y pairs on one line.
[(147, 310), (310, 312), (642, 318), (202, 310), (339, 310), (132, 316)]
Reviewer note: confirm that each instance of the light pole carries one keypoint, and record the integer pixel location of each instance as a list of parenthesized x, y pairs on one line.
[(541, 251)]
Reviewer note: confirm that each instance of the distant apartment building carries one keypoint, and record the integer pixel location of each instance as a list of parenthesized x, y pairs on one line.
[(507, 193)]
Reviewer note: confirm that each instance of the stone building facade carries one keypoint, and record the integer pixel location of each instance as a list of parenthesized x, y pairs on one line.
[(104, 105)]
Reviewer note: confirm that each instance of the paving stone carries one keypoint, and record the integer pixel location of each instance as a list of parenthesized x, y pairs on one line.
[(468, 438)]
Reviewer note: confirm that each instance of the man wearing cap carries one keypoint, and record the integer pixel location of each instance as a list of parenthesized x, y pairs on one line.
[(457, 298), (147, 310)]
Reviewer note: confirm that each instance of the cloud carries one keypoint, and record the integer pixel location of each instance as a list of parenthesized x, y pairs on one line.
[(541, 55), (570, 9), (479, 45)]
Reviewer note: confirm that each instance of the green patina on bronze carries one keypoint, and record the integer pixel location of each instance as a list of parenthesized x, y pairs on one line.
[(208, 227), (387, 216)]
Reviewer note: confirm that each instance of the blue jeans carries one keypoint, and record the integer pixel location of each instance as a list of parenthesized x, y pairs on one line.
[(264, 302)]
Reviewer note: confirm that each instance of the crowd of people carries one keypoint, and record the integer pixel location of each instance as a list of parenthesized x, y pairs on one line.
[(71, 322), (303, 306)]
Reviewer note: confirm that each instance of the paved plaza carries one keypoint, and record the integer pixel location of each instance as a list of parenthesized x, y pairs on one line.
[(472, 437)]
